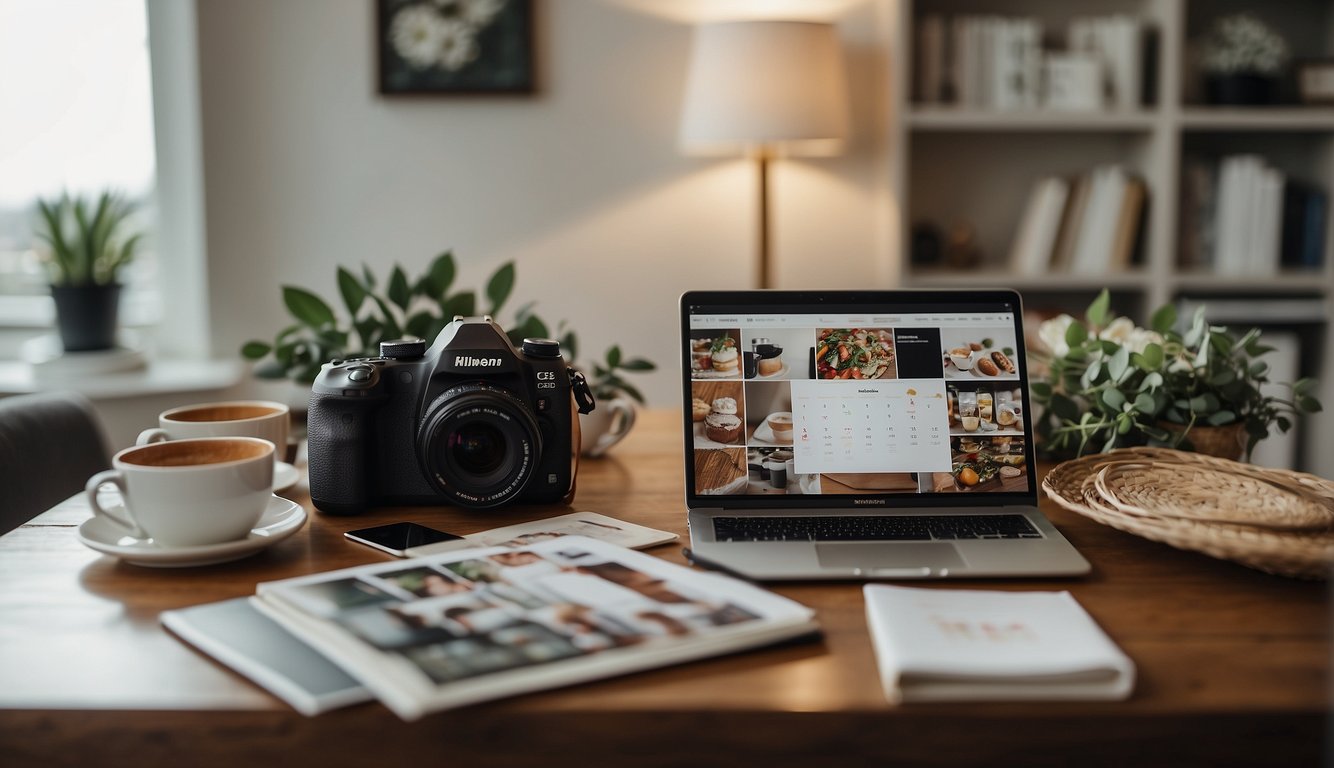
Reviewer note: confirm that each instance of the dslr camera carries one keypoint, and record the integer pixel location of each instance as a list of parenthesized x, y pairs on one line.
[(471, 421)]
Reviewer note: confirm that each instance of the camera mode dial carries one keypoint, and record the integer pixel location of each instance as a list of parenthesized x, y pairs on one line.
[(403, 349), (541, 347)]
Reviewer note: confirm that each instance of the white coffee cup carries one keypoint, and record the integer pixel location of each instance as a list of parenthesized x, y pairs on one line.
[(264, 419), (183, 493), (780, 424), (606, 426)]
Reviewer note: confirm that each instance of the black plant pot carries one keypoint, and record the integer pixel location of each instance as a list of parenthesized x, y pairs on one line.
[(1241, 89), (86, 316)]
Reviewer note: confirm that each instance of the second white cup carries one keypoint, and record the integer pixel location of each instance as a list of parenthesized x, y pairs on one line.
[(265, 419)]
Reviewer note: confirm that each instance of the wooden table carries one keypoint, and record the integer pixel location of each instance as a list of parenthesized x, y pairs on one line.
[(1232, 665)]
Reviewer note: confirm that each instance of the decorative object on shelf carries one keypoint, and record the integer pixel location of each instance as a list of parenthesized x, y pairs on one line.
[(766, 88), (927, 245), (455, 46), (88, 249), (1274, 520), (1110, 384), (1315, 82), (419, 307), (961, 249), (1243, 60)]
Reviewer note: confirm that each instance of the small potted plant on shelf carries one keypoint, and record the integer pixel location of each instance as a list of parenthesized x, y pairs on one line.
[(421, 307), (1109, 384), (88, 249), (1242, 59)]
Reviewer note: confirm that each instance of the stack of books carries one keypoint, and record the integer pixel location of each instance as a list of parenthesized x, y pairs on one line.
[(996, 62), (1090, 225), (1242, 216)]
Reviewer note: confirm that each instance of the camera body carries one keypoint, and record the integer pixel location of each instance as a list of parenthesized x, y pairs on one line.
[(471, 421)]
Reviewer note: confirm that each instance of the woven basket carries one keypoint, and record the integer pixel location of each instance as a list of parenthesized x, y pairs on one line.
[(1277, 521)]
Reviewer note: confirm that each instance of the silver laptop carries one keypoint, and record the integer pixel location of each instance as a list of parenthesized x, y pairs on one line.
[(876, 435)]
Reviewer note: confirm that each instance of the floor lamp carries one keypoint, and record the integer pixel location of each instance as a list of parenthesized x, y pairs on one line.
[(765, 89)]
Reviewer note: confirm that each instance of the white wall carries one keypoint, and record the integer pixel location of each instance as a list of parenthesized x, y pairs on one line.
[(582, 184)]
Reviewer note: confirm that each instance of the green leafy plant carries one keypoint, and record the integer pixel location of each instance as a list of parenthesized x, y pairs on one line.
[(85, 237), (1109, 383), (407, 306), (606, 380)]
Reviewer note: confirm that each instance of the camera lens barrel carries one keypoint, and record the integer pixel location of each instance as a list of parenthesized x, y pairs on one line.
[(479, 444)]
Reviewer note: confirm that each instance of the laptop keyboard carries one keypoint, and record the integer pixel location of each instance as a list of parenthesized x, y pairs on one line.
[(865, 528)]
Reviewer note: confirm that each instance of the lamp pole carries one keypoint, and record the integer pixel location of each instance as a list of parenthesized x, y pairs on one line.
[(763, 278)]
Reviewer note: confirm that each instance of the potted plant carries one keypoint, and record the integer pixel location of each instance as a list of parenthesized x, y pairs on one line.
[(1109, 383), (1242, 59), (88, 249), (421, 306)]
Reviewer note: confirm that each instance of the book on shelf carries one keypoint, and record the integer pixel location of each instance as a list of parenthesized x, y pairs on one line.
[(1243, 217), (1198, 202), (1031, 251), (1068, 233), (1249, 219), (1129, 224), (1090, 225), (987, 62), (973, 645), (1116, 42), (473, 625), (999, 62), (1305, 209)]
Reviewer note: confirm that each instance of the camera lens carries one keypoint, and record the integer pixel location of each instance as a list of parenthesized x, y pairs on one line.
[(479, 444), (477, 448)]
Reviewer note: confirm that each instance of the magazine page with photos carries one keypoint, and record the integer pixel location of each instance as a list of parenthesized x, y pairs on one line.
[(472, 625)]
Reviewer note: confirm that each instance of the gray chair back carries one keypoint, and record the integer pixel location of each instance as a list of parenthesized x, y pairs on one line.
[(50, 444)]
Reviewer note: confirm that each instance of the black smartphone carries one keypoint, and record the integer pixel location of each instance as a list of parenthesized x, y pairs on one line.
[(397, 538)]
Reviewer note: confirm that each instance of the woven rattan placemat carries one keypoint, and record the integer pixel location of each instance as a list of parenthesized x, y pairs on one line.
[(1274, 520)]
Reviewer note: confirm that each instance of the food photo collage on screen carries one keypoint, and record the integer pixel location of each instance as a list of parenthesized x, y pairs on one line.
[(796, 404)]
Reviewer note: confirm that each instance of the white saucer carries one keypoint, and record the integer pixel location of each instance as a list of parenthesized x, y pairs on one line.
[(285, 476), (281, 519)]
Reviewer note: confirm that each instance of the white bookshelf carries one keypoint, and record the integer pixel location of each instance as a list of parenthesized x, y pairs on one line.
[(949, 164)]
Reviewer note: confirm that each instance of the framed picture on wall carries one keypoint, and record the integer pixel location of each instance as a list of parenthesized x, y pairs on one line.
[(455, 46)]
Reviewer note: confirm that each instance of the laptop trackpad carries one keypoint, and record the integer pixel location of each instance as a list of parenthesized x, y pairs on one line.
[(896, 555)]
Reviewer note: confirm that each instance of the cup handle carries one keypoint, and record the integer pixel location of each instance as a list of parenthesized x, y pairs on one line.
[(113, 477), (622, 419), (153, 435)]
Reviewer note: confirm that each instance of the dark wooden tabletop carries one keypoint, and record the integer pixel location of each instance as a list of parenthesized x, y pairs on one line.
[(1232, 664)]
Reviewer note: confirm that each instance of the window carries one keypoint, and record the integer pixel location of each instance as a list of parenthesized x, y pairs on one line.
[(76, 114)]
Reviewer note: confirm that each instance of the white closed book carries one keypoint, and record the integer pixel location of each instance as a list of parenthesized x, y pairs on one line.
[(973, 645)]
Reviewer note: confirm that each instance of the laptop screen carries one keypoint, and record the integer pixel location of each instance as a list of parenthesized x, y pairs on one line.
[(853, 399)]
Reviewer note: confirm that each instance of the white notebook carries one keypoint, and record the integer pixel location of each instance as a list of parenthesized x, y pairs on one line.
[(975, 645)]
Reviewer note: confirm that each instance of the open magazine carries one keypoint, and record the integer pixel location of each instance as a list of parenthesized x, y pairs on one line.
[(472, 625)]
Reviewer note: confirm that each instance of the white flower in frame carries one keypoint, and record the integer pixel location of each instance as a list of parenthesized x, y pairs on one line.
[(418, 33), (458, 45)]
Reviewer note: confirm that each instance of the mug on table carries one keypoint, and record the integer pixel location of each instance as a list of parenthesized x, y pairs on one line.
[(263, 419), (189, 492)]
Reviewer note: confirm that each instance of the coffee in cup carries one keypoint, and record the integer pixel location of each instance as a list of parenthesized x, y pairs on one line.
[(780, 424), (189, 492), (264, 419)]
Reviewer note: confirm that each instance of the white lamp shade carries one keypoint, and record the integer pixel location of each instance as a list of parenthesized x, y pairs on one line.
[(765, 84)]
